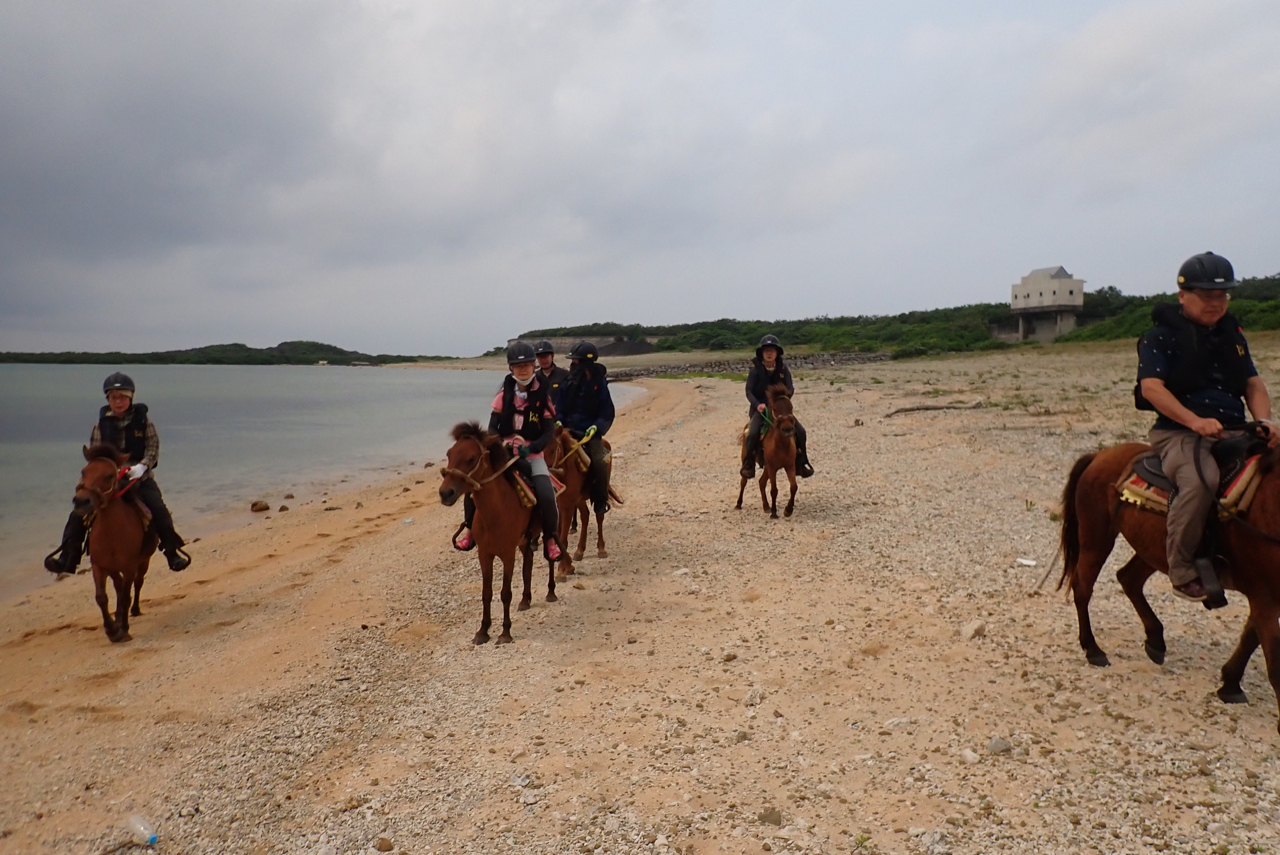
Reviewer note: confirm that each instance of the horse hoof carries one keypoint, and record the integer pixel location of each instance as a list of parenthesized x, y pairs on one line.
[(524, 606), (1098, 659), (551, 598), (577, 556), (1155, 654), (121, 638), (1232, 696), (604, 553), (505, 638), (738, 506), (787, 512), (134, 613), (481, 638)]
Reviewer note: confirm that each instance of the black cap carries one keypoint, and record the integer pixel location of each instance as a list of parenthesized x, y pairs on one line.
[(1207, 271), (584, 350), (542, 347), (520, 352), (769, 341), (118, 383)]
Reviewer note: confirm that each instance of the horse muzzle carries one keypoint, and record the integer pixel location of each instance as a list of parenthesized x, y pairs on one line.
[(449, 495), (82, 505)]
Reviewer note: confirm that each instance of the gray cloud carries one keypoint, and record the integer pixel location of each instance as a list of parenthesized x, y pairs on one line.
[(432, 177)]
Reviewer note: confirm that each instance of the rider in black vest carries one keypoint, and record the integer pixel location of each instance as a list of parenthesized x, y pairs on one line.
[(585, 408), (525, 418), (1194, 369), (766, 370), (125, 425), (550, 375)]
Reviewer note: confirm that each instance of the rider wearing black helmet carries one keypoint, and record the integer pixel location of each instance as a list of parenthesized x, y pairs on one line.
[(585, 408), (1194, 369), (549, 374), (524, 417), (767, 369), (125, 425)]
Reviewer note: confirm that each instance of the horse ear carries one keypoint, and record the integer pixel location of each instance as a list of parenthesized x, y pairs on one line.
[(84, 449)]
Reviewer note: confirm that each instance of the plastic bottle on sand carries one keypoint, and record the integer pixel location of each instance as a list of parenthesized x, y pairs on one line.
[(142, 830)]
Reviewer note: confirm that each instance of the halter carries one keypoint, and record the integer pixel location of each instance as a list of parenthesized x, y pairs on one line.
[(469, 477)]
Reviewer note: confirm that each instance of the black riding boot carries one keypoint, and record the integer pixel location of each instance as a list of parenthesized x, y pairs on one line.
[(598, 475), (171, 542), (66, 558), (752, 448), (803, 468)]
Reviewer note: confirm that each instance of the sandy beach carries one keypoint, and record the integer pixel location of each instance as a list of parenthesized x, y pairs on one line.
[(878, 673)]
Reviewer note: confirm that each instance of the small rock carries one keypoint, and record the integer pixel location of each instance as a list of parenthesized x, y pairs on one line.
[(969, 757), (383, 844), (729, 657), (754, 697), (974, 629), (404, 489), (289, 496), (259, 506), (999, 745), (428, 465), (359, 505), (334, 508), (1027, 562), (283, 508), (682, 571), (770, 816)]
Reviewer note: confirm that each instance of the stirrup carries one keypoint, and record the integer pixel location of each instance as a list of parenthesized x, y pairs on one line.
[(805, 470), (552, 549), (747, 470), (53, 563), (178, 559), (467, 542)]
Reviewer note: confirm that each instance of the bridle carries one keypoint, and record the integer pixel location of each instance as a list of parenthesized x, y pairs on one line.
[(469, 477)]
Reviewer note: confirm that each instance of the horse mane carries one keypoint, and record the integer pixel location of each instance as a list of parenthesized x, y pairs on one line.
[(490, 442), (778, 393), (104, 451)]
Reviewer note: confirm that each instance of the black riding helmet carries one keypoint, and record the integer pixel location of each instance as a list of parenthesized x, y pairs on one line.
[(585, 351), (542, 347), (520, 352), (1206, 270), (118, 383), (769, 341)]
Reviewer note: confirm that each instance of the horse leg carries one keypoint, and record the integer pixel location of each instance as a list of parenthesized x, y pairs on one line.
[(764, 496), (508, 566), (791, 500), (123, 586), (773, 489), (1086, 575), (526, 571), (582, 531), (1133, 576), (1230, 692), (100, 597), (551, 582), (486, 595), (741, 491), (601, 552), (1269, 638)]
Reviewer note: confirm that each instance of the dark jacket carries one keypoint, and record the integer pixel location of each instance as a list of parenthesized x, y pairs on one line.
[(130, 437), (760, 379), (538, 428), (1198, 358), (585, 400), (553, 381)]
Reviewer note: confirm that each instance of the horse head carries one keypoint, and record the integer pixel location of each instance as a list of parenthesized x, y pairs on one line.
[(784, 418), (97, 478), (473, 454)]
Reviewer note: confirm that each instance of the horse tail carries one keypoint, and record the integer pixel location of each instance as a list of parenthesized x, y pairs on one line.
[(1071, 521)]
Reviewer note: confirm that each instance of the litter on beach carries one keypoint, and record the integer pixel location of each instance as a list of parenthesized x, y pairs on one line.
[(1027, 562)]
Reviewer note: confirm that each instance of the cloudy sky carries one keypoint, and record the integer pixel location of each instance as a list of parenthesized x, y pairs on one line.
[(432, 177)]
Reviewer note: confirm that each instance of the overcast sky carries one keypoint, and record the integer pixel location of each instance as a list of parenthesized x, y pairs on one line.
[(432, 177)]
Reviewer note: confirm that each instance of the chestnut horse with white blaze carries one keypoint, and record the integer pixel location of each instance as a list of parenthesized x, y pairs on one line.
[(478, 460), (1093, 515)]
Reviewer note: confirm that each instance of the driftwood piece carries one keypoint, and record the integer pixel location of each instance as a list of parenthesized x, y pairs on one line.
[(923, 407)]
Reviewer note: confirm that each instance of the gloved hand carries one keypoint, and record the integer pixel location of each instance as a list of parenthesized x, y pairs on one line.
[(137, 471), (591, 431), (522, 451)]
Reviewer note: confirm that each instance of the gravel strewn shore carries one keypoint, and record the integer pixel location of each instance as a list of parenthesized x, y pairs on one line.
[(875, 674), (805, 361)]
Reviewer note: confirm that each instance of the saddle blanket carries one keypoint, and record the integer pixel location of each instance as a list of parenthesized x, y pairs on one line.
[(528, 497), (1235, 494)]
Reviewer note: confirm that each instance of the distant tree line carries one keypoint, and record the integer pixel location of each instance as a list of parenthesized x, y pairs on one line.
[(1107, 314), (285, 353)]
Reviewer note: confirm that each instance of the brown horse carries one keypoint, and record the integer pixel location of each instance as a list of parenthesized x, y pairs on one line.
[(1093, 516), (120, 545), (477, 460), (779, 450), (573, 500)]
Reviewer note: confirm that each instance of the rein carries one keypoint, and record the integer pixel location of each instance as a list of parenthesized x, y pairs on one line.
[(469, 476)]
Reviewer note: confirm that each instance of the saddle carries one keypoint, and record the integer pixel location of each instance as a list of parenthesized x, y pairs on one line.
[(524, 488), (1144, 483)]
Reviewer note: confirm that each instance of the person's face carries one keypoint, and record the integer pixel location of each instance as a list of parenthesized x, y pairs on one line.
[(1205, 306), (119, 402), (522, 371), (769, 355), (545, 360)]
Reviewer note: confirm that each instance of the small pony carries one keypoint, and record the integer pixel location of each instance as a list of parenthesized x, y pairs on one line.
[(778, 449), (477, 461), (563, 457), (120, 544)]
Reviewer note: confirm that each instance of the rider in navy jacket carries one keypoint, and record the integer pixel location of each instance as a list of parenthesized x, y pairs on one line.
[(766, 369), (585, 408)]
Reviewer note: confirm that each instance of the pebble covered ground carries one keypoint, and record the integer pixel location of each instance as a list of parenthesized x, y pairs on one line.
[(877, 673)]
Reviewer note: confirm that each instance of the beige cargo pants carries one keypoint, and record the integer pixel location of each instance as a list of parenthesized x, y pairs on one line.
[(1190, 508)]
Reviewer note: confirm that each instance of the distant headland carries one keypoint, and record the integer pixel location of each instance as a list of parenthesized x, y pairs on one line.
[(285, 353)]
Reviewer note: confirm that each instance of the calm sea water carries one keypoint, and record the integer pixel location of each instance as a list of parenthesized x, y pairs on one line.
[(228, 435)]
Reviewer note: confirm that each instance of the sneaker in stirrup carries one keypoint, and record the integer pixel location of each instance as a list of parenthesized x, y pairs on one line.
[(462, 539), (553, 549)]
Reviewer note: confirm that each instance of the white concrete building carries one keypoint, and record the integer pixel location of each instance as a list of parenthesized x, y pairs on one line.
[(1046, 302)]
